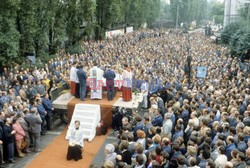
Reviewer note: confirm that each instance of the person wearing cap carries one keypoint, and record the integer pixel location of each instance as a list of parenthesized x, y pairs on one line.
[(109, 74)]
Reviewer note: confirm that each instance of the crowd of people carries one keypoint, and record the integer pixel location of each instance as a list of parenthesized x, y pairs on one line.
[(25, 111), (204, 123)]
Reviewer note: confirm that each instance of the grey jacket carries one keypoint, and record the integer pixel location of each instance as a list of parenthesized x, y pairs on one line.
[(34, 121), (24, 124)]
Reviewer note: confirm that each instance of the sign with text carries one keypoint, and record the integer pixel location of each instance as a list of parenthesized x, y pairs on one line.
[(201, 72)]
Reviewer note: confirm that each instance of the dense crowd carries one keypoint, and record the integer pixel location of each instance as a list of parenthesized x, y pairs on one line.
[(204, 123)]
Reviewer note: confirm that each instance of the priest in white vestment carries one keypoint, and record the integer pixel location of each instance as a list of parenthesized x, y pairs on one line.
[(73, 71), (96, 82)]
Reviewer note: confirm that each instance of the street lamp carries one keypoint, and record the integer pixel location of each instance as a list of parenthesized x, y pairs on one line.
[(177, 14)]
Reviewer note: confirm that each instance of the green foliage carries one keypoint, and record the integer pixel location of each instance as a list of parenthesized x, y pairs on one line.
[(44, 27), (27, 25), (153, 11), (9, 36), (237, 37), (189, 10), (217, 12), (228, 32)]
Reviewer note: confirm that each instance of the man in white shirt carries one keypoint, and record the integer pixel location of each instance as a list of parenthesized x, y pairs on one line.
[(144, 91), (221, 160), (96, 82)]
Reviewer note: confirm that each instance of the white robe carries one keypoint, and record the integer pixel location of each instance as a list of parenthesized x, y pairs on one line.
[(75, 137), (96, 82), (73, 75)]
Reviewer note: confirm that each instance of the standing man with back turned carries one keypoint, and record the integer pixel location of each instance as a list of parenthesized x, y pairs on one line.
[(110, 76), (34, 120), (82, 82)]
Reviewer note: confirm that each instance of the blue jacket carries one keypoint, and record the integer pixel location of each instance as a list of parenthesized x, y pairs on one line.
[(172, 118), (109, 75), (81, 76), (41, 110), (229, 150), (246, 139), (4, 99), (47, 104), (139, 82), (161, 105), (242, 146), (8, 137), (167, 149), (157, 121), (154, 87), (138, 126), (177, 134), (203, 163)]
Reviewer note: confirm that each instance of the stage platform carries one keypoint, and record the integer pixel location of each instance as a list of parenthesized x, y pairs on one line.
[(134, 104), (106, 106), (68, 102)]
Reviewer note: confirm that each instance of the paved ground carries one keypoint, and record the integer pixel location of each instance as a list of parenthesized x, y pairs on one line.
[(45, 140)]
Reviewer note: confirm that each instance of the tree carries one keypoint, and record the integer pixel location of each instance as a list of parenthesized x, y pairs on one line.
[(27, 26), (73, 23), (189, 10), (237, 37), (153, 11), (228, 32), (133, 13), (218, 12), (88, 7), (9, 35), (108, 12), (57, 26)]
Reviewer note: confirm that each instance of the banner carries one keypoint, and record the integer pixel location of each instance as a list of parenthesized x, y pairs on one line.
[(113, 33), (201, 72), (129, 29)]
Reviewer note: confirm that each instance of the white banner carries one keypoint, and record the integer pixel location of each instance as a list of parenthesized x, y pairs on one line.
[(129, 29), (113, 33)]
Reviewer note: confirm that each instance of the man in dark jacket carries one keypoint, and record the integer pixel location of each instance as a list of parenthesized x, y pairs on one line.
[(43, 113), (110, 76), (126, 155), (47, 104), (157, 120), (82, 82), (35, 121), (9, 139)]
